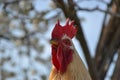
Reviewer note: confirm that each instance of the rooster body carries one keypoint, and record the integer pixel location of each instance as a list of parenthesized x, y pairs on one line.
[(67, 65)]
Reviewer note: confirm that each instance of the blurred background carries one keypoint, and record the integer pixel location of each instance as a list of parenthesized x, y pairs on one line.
[(25, 31)]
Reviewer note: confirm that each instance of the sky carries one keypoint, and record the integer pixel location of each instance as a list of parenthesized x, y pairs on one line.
[(91, 26)]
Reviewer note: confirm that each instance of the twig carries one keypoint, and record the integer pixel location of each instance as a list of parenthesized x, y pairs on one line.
[(101, 1), (12, 2), (97, 55), (4, 37), (98, 9)]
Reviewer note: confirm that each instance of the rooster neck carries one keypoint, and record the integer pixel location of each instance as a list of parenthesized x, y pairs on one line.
[(75, 71)]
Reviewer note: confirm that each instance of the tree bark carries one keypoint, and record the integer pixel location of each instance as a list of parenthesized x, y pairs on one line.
[(109, 43), (116, 73)]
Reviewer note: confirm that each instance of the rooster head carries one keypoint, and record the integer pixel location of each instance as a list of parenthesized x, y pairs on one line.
[(62, 46)]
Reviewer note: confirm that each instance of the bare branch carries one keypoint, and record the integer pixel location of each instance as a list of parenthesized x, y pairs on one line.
[(12, 2), (116, 72), (102, 32), (4, 37), (113, 46), (98, 9), (101, 1), (18, 38)]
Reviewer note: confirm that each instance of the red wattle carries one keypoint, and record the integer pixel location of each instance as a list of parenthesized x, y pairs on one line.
[(54, 58), (61, 57)]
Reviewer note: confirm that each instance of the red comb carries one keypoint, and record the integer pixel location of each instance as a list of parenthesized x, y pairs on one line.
[(68, 29)]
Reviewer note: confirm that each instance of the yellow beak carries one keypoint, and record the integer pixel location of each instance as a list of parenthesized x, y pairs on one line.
[(54, 42)]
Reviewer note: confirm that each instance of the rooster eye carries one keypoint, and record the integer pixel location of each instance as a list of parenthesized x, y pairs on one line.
[(67, 42)]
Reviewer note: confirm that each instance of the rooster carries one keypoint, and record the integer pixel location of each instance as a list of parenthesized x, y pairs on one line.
[(67, 65)]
